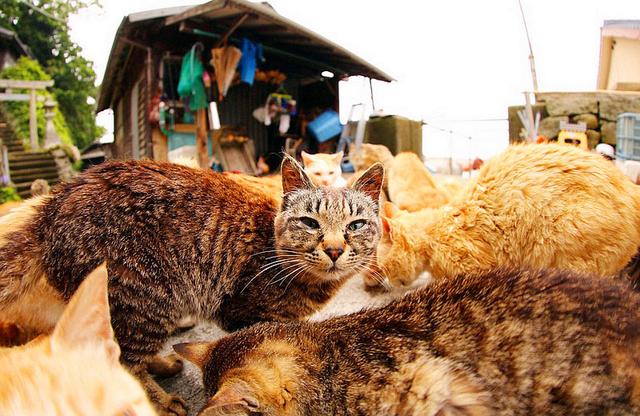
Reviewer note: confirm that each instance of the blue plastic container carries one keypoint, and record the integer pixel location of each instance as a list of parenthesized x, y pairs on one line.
[(325, 126), (628, 136)]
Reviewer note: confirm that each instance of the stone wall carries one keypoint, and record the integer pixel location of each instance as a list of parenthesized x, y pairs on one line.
[(598, 110)]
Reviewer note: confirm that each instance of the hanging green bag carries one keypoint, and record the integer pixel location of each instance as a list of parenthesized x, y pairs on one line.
[(190, 86)]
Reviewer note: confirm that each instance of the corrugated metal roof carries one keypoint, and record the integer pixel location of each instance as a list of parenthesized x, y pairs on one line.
[(271, 28), (279, 35)]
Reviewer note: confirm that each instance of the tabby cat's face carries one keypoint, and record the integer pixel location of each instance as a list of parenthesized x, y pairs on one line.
[(327, 233)]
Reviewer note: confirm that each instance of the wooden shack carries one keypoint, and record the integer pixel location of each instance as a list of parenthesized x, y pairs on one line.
[(145, 62)]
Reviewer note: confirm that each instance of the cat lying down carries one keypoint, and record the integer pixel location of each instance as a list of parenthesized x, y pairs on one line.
[(75, 371), (184, 242), (506, 342), (542, 206)]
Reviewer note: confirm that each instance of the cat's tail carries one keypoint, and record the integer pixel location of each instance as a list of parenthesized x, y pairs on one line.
[(20, 258)]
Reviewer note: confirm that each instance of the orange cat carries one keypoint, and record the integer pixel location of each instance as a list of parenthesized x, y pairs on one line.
[(74, 371), (324, 169), (411, 186), (541, 206)]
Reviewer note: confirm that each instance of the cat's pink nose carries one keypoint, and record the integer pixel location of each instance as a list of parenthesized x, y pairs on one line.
[(334, 253)]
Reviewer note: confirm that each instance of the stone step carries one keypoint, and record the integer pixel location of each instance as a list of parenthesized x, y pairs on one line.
[(23, 156), (30, 177), (27, 164), (12, 148), (34, 170)]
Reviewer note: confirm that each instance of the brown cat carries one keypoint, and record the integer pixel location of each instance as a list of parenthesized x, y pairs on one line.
[(502, 343), (75, 371), (181, 242)]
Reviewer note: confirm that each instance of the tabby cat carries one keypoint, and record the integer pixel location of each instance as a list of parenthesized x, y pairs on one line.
[(539, 205), (184, 242), (324, 169), (502, 343), (75, 371)]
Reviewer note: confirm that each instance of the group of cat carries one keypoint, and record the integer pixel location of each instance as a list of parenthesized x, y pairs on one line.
[(527, 314)]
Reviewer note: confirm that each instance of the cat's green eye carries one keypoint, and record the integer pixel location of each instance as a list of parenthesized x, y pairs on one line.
[(310, 222), (356, 225)]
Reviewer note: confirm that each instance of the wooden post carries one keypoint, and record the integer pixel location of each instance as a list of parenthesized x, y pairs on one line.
[(160, 145), (201, 138), (33, 121)]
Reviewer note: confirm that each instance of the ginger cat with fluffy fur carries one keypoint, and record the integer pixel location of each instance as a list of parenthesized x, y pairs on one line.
[(411, 185), (541, 206), (324, 169), (74, 371)]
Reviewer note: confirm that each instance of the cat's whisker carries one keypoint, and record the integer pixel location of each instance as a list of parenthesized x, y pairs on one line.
[(265, 268), (284, 269), (376, 276), (282, 256), (295, 276), (280, 280)]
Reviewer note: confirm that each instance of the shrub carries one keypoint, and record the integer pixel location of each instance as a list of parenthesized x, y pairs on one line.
[(8, 194)]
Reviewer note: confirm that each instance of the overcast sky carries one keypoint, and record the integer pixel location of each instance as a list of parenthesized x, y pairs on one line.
[(454, 60)]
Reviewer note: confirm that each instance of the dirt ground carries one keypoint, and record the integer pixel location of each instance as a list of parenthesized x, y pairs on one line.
[(351, 298)]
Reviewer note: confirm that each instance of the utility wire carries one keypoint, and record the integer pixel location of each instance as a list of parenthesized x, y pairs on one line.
[(532, 62)]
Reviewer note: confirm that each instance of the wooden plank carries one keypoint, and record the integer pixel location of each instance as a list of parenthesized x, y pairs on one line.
[(22, 84), (232, 29), (195, 11), (160, 145), (201, 138)]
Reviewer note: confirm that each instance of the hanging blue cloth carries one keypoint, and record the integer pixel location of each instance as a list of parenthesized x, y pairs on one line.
[(251, 53)]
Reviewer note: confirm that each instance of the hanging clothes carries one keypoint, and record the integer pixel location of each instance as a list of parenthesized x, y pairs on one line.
[(190, 86), (224, 61), (251, 54), (278, 105)]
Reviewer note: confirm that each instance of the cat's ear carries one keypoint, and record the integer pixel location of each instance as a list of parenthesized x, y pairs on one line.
[(390, 209), (370, 182), (386, 225), (337, 157), (293, 176), (307, 159), (86, 320), (196, 352), (235, 398)]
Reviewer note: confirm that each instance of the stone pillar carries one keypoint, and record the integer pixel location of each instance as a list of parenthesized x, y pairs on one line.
[(51, 138)]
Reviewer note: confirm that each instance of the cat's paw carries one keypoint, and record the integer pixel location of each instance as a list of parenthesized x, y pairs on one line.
[(403, 282), (185, 323), (167, 366), (373, 286), (172, 406)]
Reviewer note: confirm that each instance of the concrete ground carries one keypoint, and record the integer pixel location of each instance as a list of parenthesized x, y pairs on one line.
[(351, 298)]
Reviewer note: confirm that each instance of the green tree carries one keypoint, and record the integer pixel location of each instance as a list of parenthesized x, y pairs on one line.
[(46, 33)]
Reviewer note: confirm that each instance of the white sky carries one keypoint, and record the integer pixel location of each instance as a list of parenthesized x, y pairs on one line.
[(453, 60)]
